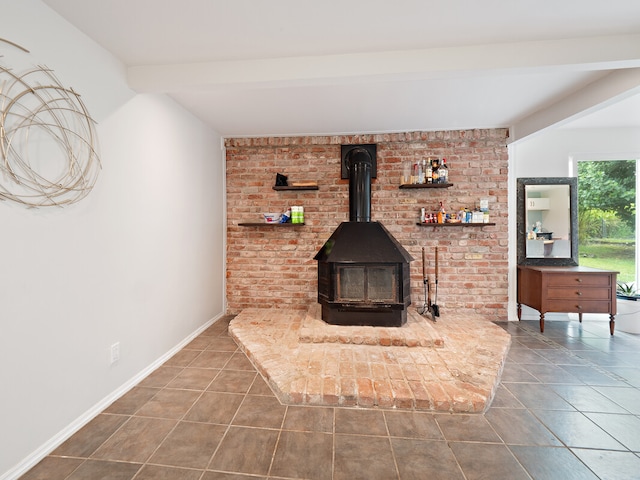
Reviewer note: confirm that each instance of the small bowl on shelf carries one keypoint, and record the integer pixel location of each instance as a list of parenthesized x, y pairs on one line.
[(272, 217)]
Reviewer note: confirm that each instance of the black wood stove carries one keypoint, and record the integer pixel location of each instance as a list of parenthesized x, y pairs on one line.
[(363, 271)]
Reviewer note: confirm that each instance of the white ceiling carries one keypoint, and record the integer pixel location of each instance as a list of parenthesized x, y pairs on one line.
[(289, 67)]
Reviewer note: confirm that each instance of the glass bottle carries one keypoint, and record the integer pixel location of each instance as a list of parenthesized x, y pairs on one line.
[(442, 215), (428, 174), (443, 172), (434, 170), (406, 177)]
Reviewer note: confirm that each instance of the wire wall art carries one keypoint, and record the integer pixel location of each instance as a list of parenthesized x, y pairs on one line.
[(48, 142)]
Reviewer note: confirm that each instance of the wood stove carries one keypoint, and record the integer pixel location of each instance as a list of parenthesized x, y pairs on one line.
[(363, 271)]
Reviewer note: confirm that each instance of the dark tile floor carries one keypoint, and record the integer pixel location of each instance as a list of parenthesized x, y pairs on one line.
[(568, 407)]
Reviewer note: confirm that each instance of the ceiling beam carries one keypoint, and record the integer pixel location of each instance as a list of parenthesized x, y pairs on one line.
[(612, 88), (584, 54)]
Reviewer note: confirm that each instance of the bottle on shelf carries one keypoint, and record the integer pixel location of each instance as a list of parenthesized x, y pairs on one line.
[(286, 216), (428, 173), (443, 172), (435, 163), (406, 176), (442, 214)]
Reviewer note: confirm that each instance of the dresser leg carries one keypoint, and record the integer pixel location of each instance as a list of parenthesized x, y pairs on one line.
[(612, 323), (580, 317), (519, 311), (542, 323)]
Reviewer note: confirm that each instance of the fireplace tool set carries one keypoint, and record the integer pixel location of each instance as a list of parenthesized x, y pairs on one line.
[(429, 308)]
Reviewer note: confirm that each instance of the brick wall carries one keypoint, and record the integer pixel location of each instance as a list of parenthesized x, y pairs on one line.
[(274, 267)]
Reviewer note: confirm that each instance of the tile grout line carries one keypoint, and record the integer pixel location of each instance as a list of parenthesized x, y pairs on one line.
[(275, 448), (182, 418), (226, 431), (393, 450)]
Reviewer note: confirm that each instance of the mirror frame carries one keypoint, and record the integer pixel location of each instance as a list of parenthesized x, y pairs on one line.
[(522, 215)]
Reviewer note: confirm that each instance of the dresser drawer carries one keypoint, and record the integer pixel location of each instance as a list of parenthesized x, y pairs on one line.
[(578, 279), (579, 292), (579, 306)]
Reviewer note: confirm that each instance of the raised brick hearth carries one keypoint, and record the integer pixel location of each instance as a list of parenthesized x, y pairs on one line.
[(452, 365), (417, 332)]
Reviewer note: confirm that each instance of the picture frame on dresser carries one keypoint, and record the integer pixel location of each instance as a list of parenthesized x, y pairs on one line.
[(547, 221)]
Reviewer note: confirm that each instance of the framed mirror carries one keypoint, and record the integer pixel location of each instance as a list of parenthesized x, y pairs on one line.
[(547, 223)]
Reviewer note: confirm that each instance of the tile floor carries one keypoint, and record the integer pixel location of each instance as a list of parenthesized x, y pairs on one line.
[(568, 407)]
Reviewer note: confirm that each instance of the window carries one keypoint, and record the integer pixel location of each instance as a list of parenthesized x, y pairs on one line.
[(607, 199)]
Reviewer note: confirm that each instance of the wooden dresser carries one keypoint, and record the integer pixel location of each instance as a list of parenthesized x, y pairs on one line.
[(567, 289)]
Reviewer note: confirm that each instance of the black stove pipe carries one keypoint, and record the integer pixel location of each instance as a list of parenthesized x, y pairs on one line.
[(359, 164)]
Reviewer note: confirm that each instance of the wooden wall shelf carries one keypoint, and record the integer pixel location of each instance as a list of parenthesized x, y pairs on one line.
[(308, 187), (264, 224), (454, 224), (426, 185)]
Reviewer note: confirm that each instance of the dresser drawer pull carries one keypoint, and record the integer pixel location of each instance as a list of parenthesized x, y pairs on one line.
[(579, 307), (579, 293), (579, 280)]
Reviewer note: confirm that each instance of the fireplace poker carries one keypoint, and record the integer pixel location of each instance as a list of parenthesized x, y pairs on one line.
[(426, 308), (435, 309), (425, 281)]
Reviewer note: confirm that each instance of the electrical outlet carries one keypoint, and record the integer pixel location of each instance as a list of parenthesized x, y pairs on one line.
[(115, 352)]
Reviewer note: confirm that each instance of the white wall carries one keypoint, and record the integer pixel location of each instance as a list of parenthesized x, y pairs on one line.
[(553, 153), (548, 153), (139, 261)]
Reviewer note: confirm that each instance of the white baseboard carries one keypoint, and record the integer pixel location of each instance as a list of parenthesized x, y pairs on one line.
[(54, 442)]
